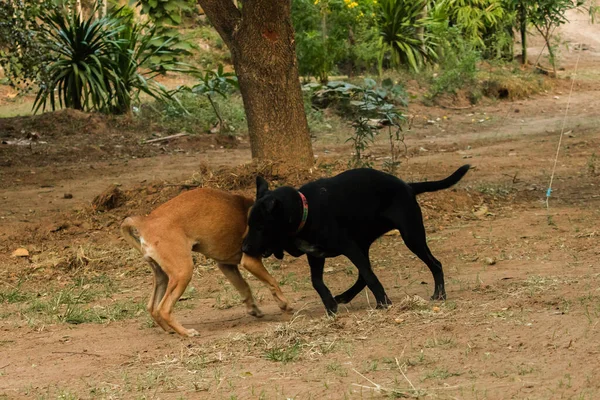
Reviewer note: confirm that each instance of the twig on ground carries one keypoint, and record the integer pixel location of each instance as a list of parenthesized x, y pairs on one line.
[(166, 138), (77, 353)]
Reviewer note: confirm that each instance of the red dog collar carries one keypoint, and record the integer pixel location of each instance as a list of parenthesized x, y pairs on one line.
[(304, 212)]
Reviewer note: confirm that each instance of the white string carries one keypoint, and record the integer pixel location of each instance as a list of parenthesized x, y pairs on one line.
[(562, 131)]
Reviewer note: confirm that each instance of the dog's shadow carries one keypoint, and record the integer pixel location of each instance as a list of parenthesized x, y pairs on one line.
[(236, 320)]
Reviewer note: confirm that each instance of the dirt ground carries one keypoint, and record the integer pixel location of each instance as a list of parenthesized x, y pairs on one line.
[(523, 311)]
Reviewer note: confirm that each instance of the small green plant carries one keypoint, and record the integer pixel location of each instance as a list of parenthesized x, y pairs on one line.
[(364, 134), (369, 107), (336, 368), (394, 122), (214, 83), (371, 102), (591, 165), (283, 354)]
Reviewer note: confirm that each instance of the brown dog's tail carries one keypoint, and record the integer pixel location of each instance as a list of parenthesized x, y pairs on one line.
[(422, 187), (127, 230)]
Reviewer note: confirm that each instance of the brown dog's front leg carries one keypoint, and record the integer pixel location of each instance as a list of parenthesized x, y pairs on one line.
[(256, 268), (232, 273)]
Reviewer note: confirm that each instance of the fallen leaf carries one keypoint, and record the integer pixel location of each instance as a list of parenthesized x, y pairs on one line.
[(20, 252)]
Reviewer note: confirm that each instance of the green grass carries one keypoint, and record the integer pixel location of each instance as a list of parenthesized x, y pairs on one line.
[(19, 106), (86, 300), (440, 373), (14, 294), (64, 307)]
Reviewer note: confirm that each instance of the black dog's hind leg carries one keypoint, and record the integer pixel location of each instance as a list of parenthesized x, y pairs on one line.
[(359, 285), (316, 276), (363, 264), (410, 224), (351, 293)]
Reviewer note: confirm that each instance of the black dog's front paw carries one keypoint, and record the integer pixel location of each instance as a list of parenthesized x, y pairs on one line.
[(331, 309), (439, 296), (384, 305)]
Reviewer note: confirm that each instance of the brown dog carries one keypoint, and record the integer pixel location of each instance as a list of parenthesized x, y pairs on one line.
[(208, 221)]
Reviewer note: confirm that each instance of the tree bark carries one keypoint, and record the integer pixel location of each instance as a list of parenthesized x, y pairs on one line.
[(523, 29), (260, 37)]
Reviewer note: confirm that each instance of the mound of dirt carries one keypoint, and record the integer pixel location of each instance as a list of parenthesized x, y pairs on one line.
[(71, 122), (74, 136)]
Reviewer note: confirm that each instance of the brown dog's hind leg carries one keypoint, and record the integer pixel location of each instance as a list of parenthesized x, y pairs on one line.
[(159, 286), (256, 268), (179, 268), (232, 273)]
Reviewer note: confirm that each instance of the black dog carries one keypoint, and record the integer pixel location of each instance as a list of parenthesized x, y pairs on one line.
[(343, 215)]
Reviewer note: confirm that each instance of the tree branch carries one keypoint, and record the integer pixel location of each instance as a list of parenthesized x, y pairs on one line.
[(224, 16)]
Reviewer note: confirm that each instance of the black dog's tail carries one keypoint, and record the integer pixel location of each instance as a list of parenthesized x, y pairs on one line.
[(422, 187)]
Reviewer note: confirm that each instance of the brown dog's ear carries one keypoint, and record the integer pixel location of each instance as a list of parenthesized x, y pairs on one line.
[(262, 187)]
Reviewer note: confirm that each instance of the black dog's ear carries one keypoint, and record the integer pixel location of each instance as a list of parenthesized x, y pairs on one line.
[(262, 187), (270, 204)]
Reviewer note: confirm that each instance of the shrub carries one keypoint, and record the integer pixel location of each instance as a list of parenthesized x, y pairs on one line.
[(457, 62), (334, 34)]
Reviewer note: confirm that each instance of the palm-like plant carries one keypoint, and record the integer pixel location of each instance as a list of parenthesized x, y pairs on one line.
[(82, 71), (103, 64), (400, 22), (476, 18)]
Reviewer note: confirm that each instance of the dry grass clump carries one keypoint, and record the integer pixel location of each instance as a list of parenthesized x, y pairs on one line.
[(410, 303), (511, 85), (243, 176)]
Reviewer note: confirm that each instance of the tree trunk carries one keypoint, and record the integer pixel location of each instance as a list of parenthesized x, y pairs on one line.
[(260, 37), (523, 28), (551, 55)]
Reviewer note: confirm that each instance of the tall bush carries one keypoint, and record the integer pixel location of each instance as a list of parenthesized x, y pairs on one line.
[(334, 34), (22, 56)]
